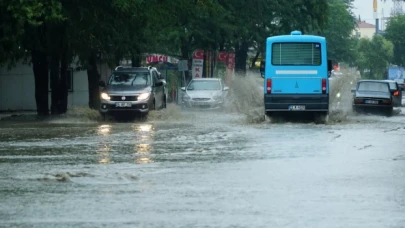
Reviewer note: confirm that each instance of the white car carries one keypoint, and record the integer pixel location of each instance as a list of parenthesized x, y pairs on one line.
[(207, 93)]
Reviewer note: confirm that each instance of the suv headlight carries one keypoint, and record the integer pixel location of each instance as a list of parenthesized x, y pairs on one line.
[(143, 96), (105, 96)]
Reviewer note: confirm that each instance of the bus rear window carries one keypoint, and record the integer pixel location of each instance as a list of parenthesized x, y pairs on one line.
[(302, 54)]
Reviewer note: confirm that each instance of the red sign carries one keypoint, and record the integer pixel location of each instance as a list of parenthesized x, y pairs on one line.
[(222, 56), (230, 63), (198, 54), (156, 58)]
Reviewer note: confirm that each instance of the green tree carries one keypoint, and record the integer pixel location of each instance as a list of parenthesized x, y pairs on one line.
[(373, 56), (338, 32), (23, 33), (395, 32)]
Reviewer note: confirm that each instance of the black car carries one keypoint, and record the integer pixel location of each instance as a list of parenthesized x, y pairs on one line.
[(133, 90), (376, 94), (396, 92)]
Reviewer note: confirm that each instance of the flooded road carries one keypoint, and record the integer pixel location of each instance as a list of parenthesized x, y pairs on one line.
[(206, 169)]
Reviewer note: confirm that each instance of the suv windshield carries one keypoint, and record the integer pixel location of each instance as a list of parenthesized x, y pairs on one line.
[(129, 78), (204, 85), (373, 86)]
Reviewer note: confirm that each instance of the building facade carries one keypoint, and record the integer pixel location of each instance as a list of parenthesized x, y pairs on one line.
[(364, 30), (17, 87)]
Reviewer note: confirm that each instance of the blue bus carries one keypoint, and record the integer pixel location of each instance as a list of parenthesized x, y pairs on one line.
[(296, 72)]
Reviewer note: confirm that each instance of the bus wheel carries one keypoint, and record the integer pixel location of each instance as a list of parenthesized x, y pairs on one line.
[(321, 118), (274, 117)]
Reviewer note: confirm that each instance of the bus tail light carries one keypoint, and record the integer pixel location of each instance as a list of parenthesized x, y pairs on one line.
[(268, 85), (323, 85)]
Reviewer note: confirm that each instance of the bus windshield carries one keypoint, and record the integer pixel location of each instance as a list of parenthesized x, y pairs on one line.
[(301, 54)]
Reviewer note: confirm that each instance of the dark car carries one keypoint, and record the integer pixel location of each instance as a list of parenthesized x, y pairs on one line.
[(374, 95), (133, 90), (396, 92)]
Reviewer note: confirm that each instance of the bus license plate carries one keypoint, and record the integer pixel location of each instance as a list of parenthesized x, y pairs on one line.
[(371, 102), (123, 104), (297, 107)]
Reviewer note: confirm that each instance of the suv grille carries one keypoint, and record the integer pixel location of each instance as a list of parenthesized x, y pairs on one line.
[(127, 98)]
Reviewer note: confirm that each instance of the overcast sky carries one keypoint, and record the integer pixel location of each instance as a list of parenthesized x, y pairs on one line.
[(364, 8)]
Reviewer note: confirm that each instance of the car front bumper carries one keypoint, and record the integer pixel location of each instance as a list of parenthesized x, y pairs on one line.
[(130, 106), (208, 104)]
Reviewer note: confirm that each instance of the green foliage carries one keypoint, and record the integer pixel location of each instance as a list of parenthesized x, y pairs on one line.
[(18, 15), (373, 56), (338, 33), (395, 32)]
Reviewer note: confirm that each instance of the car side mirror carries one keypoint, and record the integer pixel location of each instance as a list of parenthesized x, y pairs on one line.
[(159, 83), (226, 88), (330, 66), (183, 88), (353, 90), (101, 83), (262, 68)]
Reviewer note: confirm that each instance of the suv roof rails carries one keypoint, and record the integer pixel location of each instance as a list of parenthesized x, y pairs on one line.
[(118, 67)]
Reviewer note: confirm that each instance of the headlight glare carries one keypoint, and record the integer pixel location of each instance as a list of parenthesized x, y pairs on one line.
[(143, 96), (105, 96)]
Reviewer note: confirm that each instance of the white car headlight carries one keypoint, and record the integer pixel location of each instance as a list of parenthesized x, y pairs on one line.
[(143, 96), (105, 96), (186, 97), (217, 97)]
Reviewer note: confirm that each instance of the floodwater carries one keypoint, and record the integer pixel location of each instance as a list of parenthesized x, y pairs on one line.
[(203, 169)]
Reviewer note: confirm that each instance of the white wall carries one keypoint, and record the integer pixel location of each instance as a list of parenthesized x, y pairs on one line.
[(17, 89)]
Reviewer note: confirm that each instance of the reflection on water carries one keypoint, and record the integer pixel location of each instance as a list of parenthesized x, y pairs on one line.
[(104, 154), (140, 147), (143, 148), (143, 160), (144, 128), (104, 130)]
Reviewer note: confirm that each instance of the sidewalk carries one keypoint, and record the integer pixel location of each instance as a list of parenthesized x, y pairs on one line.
[(18, 115)]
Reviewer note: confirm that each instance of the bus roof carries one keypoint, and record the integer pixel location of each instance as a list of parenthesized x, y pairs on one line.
[(296, 38)]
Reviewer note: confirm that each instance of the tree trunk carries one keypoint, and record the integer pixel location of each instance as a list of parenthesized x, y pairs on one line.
[(55, 81), (63, 88), (93, 78), (40, 69), (136, 59), (255, 59), (184, 48), (241, 50)]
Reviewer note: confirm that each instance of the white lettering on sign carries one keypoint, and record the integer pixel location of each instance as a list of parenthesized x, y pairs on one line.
[(156, 58)]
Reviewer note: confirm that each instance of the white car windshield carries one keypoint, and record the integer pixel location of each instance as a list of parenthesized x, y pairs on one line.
[(204, 85), (373, 86), (129, 78)]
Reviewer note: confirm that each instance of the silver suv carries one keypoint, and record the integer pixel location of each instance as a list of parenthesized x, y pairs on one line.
[(133, 90)]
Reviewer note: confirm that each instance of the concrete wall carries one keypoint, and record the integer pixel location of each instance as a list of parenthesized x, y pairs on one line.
[(17, 88)]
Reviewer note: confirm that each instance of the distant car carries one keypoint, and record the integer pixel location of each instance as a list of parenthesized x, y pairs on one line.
[(401, 83), (373, 94), (396, 92), (207, 93), (133, 90)]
